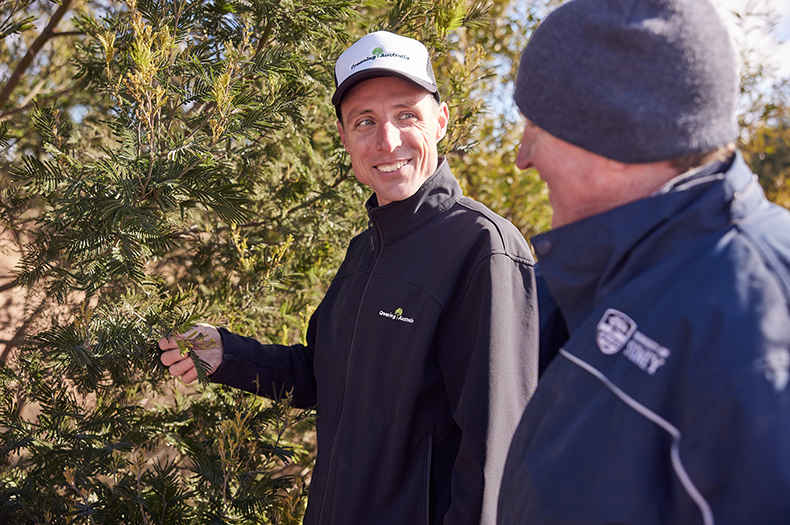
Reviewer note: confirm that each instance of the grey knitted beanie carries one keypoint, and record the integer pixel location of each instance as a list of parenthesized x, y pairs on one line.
[(632, 80)]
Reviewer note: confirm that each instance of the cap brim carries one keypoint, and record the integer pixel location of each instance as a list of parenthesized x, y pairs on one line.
[(372, 72)]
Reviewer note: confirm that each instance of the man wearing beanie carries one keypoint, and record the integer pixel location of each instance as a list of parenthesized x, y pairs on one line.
[(423, 353), (664, 287)]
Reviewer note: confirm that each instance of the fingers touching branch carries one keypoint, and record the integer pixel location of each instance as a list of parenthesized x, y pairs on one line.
[(202, 339)]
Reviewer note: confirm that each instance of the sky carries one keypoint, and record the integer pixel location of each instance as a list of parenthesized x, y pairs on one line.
[(776, 45)]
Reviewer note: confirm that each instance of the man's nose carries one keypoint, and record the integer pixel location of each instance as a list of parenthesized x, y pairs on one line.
[(389, 137), (521, 157)]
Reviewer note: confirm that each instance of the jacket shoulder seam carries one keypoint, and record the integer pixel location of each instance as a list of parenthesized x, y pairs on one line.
[(492, 217), (771, 264), (482, 259), (415, 283)]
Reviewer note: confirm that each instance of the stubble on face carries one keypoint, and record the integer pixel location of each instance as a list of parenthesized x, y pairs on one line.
[(582, 183), (579, 181), (390, 129)]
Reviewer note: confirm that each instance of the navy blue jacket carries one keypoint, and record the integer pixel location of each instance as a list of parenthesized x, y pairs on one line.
[(669, 401), (420, 360)]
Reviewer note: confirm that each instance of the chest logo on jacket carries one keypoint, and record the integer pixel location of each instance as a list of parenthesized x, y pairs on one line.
[(616, 331), (397, 315)]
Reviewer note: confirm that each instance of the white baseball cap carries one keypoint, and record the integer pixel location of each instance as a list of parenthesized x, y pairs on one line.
[(382, 54)]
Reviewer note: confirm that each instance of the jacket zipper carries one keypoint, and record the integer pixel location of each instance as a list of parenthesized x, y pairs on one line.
[(428, 461), (348, 360)]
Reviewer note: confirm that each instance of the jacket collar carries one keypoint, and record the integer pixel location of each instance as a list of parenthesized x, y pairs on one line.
[(400, 218), (584, 261)]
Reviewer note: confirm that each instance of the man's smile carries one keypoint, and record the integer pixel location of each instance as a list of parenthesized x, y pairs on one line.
[(388, 168)]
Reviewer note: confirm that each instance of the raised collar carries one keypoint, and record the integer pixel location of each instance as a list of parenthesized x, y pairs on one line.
[(400, 218), (584, 261)]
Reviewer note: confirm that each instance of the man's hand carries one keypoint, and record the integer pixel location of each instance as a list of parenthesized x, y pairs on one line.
[(203, 339)]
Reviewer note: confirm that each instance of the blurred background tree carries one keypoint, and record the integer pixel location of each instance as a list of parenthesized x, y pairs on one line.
[(167, 161), (488, 171), (767, 150), (764, 112)]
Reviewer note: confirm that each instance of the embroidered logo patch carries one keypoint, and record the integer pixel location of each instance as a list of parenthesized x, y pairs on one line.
[(776, 367), (616, 331), (397, 315), (613, 331)]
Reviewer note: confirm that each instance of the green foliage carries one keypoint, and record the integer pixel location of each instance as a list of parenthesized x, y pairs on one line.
[(767, 149), (190, 173), (173, 161), (764, 109), (481, 95)]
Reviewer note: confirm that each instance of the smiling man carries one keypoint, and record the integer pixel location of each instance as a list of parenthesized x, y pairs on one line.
[(423, 353), (391, 130)]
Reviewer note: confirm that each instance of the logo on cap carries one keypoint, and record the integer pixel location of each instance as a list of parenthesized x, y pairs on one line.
[(379, 53), (383, 53)]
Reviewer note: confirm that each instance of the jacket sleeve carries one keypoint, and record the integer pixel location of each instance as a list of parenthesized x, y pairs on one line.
[(269, 370), (489, 361), (736, 447)]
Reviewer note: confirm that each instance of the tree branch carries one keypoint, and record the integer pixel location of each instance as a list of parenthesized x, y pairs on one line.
[(20, 109), (33, 92), (45, 35), (18, 335), (8, 286), (68, 33)]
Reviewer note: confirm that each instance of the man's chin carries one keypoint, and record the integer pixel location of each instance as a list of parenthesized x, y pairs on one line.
[(396, 194)]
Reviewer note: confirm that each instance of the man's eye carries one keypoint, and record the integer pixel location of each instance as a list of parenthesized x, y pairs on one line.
[(365, 122), (408, 115)]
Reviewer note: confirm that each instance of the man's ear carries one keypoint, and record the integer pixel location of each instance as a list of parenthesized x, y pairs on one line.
[(443, 118), (342, 135)]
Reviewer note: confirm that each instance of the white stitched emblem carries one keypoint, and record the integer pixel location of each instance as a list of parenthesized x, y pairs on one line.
[(616, 331), (613, 331), (776, 367)]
